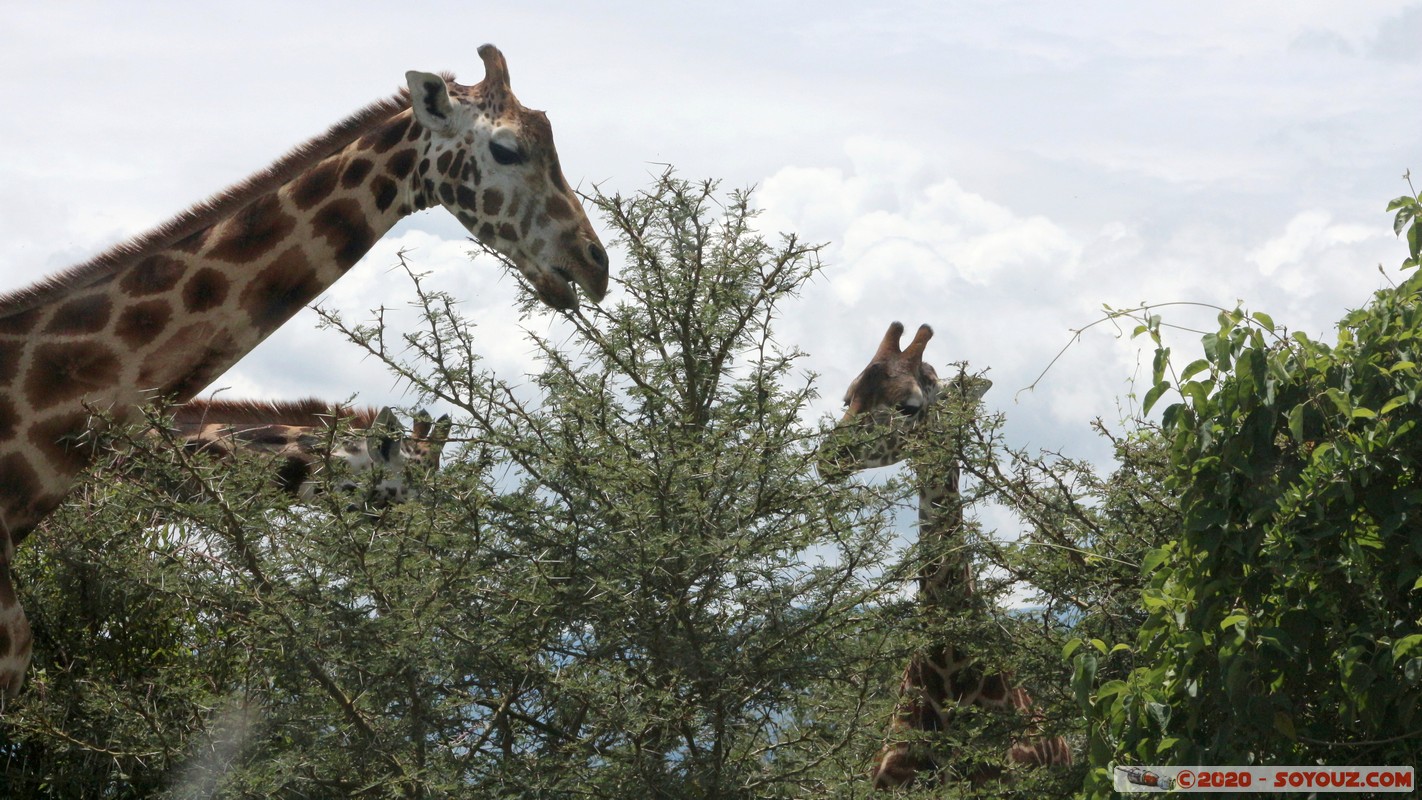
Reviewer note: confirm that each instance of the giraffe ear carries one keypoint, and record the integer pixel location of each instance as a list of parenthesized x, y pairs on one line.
[(977, 387), (383, 439), (429, 98)]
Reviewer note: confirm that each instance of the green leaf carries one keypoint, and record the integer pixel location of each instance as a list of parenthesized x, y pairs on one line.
[(1412, 670), (1396, 402), (1198, 393), (1405, 645), (1158, 556), (1264, 319), (1195, 367), (1160, 713), (1154, 601), (1341, 401), (1233, 619), (1400, 202), (1237, 678), (1211, 342), (1160, 362), (1082, 678), (1323, 451), (1296, 423), (1110, 689), (1153, 395)]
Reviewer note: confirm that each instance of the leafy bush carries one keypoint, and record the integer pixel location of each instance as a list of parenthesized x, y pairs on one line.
[(1285, 624)]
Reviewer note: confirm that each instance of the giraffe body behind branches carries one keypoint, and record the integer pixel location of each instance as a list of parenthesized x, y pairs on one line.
[(161, 316), (890, 400)]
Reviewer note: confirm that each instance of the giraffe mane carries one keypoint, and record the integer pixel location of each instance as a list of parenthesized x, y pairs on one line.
[(212, 210), (309, 412)]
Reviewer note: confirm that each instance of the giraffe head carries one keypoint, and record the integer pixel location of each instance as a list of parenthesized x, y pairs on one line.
[(889, 398), (387, 465), (373, 458), (491, 163)]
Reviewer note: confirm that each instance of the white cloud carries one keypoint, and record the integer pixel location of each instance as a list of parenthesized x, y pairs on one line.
[(894, 220), (1306, 234)]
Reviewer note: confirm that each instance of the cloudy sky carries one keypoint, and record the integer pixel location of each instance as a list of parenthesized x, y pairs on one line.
[(999, 172)]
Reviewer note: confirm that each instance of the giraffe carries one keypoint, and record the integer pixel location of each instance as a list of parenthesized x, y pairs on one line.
[(302, 438), (891, 398), (167, 312)]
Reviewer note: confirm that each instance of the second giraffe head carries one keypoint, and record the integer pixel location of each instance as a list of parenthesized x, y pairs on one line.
[(889, 397)]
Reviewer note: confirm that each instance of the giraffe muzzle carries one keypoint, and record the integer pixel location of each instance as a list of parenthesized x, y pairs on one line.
[(595, 282), (558, 287)]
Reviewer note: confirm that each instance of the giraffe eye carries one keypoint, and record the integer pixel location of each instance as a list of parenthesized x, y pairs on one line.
[(906, 409), (506, 155)]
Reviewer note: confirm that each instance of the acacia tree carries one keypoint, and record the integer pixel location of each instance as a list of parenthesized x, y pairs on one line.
[(629, 581), (705, 592)]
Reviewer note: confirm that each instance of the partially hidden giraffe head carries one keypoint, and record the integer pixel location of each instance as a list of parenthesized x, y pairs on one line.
[(889, 398), (373, 458), (388, 466), (491, 162)]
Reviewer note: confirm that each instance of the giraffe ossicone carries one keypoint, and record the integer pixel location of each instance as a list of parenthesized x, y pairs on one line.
[(164, 314), (888, 403)]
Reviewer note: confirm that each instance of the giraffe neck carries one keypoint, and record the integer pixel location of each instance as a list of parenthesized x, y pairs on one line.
[(169, 312), (942, 678), (946, 579)]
